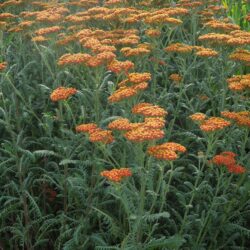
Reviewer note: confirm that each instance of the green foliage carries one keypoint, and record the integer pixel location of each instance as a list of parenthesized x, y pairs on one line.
[(52, 193)]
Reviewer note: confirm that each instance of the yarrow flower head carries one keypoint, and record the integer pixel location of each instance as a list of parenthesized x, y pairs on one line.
[(142, 133), (100, 135), (148, 109), (122, 124), (3, 66), (62, 93), (214, 124), (86, 128), (116, 175), (228, 160), (239, 82), (166, 151), (241, 118), (198, 117)]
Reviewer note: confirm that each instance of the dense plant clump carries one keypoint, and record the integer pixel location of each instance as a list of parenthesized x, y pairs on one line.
[(124, 125)]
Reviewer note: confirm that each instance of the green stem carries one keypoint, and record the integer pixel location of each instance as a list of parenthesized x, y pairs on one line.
[(166, 190), (203, 230), (209, 149), (159, 185)]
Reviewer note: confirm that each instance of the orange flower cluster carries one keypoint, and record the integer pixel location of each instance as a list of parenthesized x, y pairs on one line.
[(153, 32), (199, 117), (151, 128), (100, 135), (179, 47), (206, 52), (241, 55), (104, 38), (239, 37), (154, 122), (122, 93), (62, 93), (162, 19), (116, 175), (241, 118), (143, 133), (86, 128), (65, 39), (6, 15), (139, 77), (135, 83), (3, 66), (175, 78), (122, 124), (234, 38), (166, 151), (148, 109), (51, 15), (48, 30), (127, 51), (78, 58), (215, 38), (84, 58), (213, 124), (112, 2), (39, 39), (219, 25), (96, 134), (228, 159), (190, 4), (118, 66), (199, 50), (239, 83), (10, 3)]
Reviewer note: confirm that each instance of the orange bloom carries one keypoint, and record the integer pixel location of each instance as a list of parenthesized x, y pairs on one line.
[(74, 59), (213, 124), (227, 159), (148, 109), (121, 94), (154, 122), (116, 175), (139, 77), (207, 53), (198, 117), (223, 159), (3, 66), (47, 30), (153, 32), (236, 169), (162, 154), (219, 25), (100, 135), (166, 151), (120, 124), (88, 127), (6, 16), (241, 118), (179, 47), (62, 93), (175, 77), (239, 82), (241, 55), (39, 39), (173, 146), (142, 133), (118, 66), (127, 51)]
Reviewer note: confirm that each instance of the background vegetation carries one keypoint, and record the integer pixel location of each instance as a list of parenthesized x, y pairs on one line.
[(54, 193)]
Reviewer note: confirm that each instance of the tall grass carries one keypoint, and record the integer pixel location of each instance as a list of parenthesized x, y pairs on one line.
[(238, 10)]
